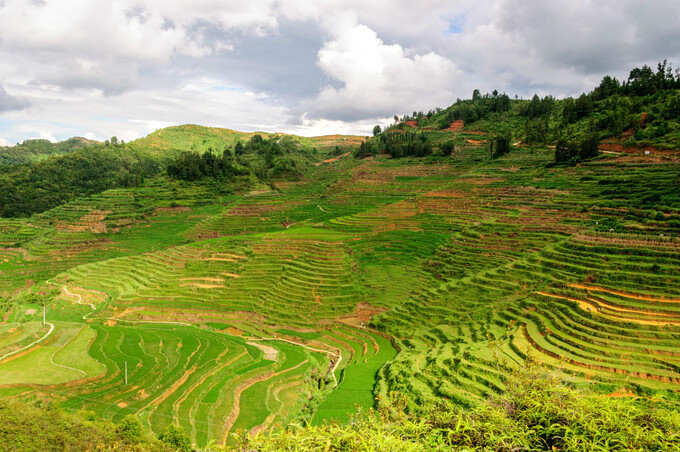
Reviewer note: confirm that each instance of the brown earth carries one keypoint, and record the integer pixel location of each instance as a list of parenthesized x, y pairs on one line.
[(456, 126), (363, 313), (332, 160)]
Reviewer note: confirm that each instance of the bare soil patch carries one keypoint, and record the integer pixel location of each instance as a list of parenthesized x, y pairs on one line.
[(455, 126), (362, 315)]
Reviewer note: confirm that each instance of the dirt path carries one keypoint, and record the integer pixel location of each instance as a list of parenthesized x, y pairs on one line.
[(236, 408), (60, 348), (167, 393), (85, 317), (418, 362), (31, 344), (270, 353), (80, 299), (237, 397), (338, 355)]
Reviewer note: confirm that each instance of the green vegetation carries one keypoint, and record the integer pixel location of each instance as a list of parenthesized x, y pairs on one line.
[(238, 299), (642, 111), (275, 157), (30, 188), (36, 150), (30, 184), (538, 412), (45, 427)]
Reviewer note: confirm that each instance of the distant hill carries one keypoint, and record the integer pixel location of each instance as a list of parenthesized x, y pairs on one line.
[(35, 150), (639, 114), (39, 175), (172, 140)]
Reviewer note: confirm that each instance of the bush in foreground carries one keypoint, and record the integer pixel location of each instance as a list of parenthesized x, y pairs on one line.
[(539, 412), (36, 427)]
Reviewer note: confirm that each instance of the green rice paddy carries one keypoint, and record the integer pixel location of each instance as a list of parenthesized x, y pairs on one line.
[(240, 313)]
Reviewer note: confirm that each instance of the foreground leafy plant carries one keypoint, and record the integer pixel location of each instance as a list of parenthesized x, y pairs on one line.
[(540, 411)]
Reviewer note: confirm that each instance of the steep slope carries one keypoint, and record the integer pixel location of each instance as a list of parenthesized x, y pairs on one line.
[(434, 280)]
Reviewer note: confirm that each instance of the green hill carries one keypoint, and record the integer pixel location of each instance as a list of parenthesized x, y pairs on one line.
[(639, 114), (43, 176), (252, 285), (36, 150)]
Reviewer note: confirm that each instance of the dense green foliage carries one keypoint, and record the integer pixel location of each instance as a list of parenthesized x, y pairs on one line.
[(35, 150), (36, 187), (46, 427), (265, 158), (538, 412), (397, 144), (644, 110), (469, 111), (191, 166)]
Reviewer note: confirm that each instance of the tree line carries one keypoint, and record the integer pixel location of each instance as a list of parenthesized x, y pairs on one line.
[(265, 158), (26, 189), (39, 149)]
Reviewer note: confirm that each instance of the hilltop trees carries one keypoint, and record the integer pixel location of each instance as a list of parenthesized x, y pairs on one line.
[(39, 186), (396, 144), (263, 157), (573, 151), (538, 107), (479, 107), (39, 149), (191, 166)]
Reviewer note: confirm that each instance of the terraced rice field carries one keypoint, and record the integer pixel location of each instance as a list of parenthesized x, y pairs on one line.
[(244, 312)]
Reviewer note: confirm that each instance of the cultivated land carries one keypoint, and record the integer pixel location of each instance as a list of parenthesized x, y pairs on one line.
[(243, 311)]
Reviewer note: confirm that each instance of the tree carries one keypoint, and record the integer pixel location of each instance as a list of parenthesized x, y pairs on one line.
[(175, 437), (448, 147), (238, 149), (376, 130), (608, 86), (131, 429), (589, 146), (503, 144)]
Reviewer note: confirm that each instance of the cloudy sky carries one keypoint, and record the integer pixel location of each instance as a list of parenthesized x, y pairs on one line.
[(99, 68)]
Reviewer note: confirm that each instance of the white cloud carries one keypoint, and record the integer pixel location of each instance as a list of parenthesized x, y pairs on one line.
[(379, 79), (317, 127), (563, 46), (167, 61), (45, 135), (9, 102), (4, 142), (135, 114)]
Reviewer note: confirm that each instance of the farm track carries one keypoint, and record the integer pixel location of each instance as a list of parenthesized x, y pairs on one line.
[(335, 355), (63, 346), (31, 344)]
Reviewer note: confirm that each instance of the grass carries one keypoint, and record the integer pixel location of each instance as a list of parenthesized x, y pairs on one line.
[(432, 278), (357, 386)]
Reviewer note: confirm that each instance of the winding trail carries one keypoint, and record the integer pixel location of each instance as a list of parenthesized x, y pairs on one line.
[(60, 348), (337, 355), (80, 298), (31, 344), (85, 317)]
